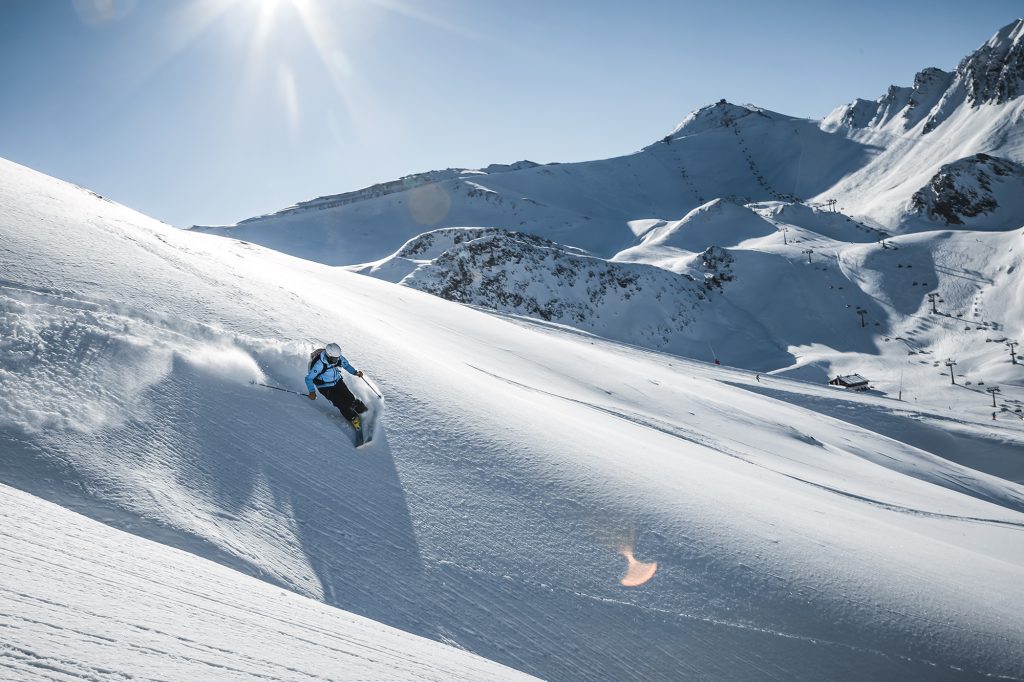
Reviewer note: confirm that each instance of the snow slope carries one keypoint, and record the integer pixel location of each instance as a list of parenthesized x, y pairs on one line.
[(799, 533), (82, 601)]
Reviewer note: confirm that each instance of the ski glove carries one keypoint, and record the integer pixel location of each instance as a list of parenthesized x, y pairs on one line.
[(312, 395), (359, 372)]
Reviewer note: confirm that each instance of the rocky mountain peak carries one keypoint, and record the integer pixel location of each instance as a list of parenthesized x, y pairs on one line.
[(930, 85), (994, 74), (931, 78), (975, 187)]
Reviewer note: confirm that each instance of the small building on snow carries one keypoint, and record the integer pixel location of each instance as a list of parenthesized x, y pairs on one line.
[(854, 382)]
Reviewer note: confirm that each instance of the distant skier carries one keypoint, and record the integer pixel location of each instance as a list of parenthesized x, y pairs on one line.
[(325, 365)]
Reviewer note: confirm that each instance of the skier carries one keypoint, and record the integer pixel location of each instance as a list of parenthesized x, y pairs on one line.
[(325, 374)]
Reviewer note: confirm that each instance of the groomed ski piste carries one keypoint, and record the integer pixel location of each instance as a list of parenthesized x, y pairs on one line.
[(786, 530)]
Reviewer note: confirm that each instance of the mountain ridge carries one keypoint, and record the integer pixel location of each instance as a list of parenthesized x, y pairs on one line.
[(767, 189), (990, 75)]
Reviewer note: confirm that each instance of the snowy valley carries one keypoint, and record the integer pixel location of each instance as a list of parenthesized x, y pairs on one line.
[(562, 483)]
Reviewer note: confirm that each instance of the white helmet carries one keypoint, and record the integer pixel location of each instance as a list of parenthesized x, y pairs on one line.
[(333, 350)]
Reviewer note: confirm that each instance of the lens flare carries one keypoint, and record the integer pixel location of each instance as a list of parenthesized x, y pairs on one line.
[(99, 12), (638, 572), (428, 204)]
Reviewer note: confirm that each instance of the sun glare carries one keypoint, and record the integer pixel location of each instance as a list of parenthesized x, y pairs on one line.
[(290, 46)]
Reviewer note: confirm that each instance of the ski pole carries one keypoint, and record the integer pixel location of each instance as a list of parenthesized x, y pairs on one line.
[(371, 387), (277, 388)]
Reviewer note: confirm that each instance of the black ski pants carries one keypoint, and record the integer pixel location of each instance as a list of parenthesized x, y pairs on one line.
[(342, 398)]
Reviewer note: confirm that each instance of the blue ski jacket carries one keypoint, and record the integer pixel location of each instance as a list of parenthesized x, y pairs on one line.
[(324, 374)]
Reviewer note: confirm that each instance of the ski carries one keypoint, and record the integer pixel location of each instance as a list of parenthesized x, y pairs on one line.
[(369, 417), (364, 435), (360, 436)]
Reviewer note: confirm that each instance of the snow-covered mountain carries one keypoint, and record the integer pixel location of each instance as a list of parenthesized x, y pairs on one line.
[(523, 274), (993, 75), (792, 531), (981, 191), (744, 153), (872, 156), (758, 188), (944, 119)]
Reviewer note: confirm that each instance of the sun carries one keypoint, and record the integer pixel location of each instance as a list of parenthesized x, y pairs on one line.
[(267, 11), (298, 56)]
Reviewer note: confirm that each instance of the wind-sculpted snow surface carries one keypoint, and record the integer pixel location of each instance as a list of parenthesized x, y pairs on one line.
[(516, 467), (82, 601)]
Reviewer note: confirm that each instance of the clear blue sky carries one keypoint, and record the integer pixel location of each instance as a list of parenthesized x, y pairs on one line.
[(210, 111)]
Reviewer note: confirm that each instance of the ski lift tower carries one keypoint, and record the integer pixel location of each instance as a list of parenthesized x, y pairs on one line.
[(951, 363)]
